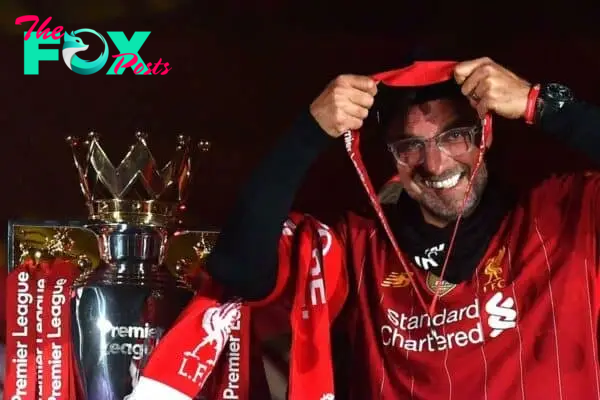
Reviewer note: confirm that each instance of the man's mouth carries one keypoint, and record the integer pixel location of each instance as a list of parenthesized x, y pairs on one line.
[(445, 183)]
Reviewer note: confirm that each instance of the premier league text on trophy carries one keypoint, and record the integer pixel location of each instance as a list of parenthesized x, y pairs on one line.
[(53, 335), (129, 340)]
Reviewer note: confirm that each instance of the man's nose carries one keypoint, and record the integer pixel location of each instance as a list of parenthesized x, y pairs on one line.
[(433, 160)]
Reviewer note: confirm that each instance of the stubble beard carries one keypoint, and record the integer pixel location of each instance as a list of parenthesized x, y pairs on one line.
[(448, 209)]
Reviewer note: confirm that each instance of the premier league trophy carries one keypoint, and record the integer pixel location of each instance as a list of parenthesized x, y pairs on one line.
[(121, 308)]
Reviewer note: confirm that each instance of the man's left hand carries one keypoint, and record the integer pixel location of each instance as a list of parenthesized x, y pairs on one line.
[(491, 87)]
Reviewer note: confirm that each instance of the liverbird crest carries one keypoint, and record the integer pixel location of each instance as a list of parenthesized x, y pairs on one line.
[(136, 190)]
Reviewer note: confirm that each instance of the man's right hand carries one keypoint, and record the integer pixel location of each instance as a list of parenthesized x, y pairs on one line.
[(344, 104)]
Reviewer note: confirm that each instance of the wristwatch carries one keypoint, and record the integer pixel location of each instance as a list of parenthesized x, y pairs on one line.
[(552, 97)]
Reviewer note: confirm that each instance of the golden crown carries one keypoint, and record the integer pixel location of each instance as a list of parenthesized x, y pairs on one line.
[(136, 191)]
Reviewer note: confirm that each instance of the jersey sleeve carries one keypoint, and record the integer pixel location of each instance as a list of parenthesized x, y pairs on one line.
[(569, 205), (584, 192), (586, 189), (593, 179)]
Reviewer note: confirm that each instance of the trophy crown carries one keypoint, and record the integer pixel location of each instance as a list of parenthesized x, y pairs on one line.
[(136, 191)]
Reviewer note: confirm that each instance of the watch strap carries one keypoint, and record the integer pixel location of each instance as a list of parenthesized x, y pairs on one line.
[(531, 108)]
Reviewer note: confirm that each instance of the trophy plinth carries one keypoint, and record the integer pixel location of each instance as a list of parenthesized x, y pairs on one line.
[(123, 306)]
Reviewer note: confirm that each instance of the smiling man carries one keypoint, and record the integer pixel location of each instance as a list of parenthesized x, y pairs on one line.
[(517, 312), (436, 140)]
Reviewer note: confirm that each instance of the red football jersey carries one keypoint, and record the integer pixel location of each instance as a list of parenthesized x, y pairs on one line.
[(524, 327)]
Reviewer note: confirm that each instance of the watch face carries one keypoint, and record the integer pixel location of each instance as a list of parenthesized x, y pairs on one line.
[(557, 92)]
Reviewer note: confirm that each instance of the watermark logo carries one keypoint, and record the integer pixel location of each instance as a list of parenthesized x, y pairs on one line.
[(73, 45), (37, 41)]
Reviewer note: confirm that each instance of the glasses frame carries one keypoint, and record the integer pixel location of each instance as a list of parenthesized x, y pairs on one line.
[(474, 131)]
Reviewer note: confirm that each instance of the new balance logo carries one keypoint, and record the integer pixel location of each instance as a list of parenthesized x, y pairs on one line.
[(502, 315), (397, 280), (427, 261)]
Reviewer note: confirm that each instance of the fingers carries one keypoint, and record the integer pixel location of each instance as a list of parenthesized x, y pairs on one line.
[(464, 69), (344, 104), (479, 102), (360, 82), (474, 84), (344, 121), (363, 99), (354, 95), (355, 110), (358, 97), (482, 108), (353, 123), (473, 76), (348, 111)]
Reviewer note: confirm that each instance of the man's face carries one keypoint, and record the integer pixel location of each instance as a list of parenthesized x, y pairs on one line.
[(439, 183)]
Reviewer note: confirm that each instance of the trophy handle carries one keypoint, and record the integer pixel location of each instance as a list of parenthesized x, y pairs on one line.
[(39, 241), (187, 249)]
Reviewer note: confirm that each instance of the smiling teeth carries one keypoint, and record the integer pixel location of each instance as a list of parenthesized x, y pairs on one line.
[(445, 184)]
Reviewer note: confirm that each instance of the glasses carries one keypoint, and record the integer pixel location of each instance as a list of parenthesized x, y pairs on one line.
[(454, 142)]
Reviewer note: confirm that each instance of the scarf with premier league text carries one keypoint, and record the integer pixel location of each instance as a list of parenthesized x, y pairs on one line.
[(39, 357)]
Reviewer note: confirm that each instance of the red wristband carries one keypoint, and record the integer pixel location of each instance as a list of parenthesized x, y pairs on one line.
[(531, 104)]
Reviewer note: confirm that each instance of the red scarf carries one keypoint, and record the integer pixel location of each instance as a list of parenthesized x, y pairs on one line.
[(180, 366), (38, 341)]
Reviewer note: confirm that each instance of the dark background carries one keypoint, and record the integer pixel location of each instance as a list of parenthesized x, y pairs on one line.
[(241, 72)]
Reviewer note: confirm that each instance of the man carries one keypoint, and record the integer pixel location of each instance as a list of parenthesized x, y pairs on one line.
[(517, 304)]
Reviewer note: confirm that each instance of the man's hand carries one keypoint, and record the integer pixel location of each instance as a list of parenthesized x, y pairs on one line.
[(491, 87), (344, 104)]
